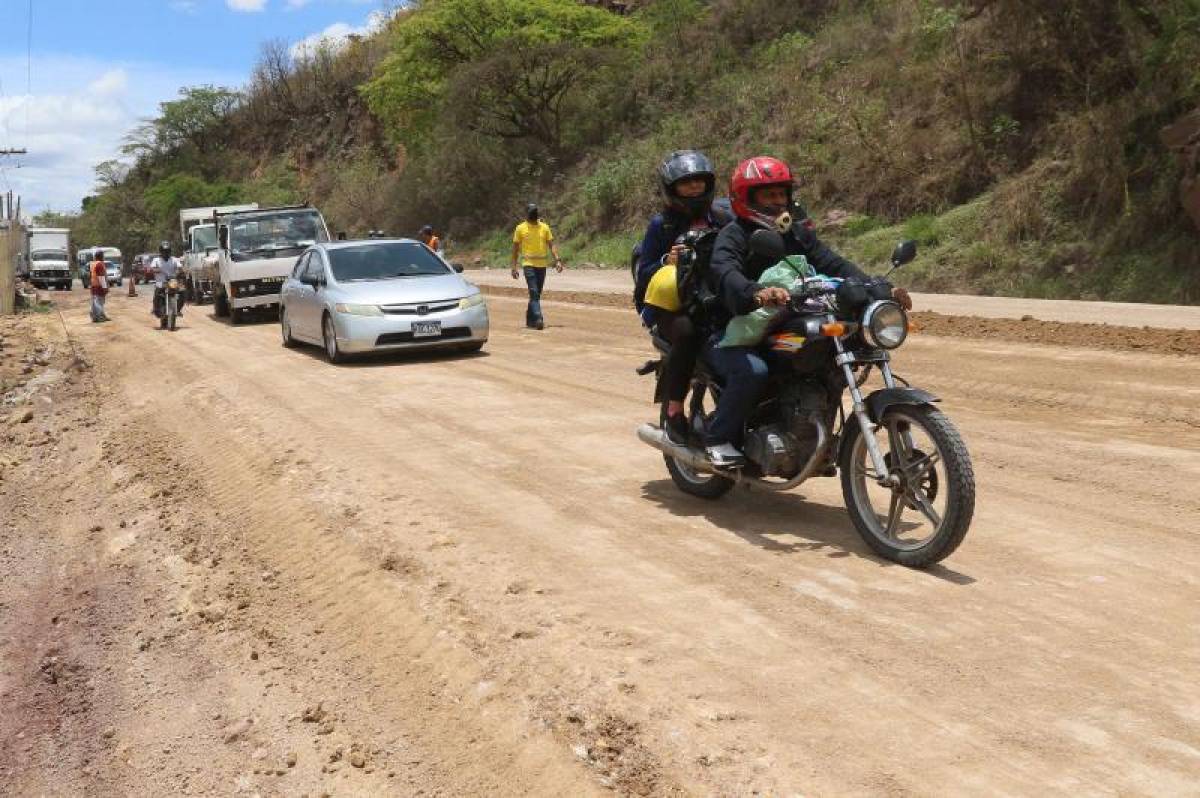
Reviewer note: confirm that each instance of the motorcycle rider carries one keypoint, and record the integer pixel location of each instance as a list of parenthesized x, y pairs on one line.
[(761, 190), (166, 267), (687, 182)]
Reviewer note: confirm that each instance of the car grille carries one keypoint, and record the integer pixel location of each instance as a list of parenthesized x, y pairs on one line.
[(448, 334), (420, 308), (263, 286)]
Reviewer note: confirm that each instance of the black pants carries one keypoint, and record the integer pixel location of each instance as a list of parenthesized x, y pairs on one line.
[(685, 347)]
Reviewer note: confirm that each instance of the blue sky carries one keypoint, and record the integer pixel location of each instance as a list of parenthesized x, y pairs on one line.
[(98, 66)]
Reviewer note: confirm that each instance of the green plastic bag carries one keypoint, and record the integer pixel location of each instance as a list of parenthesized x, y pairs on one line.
[(749, 329)]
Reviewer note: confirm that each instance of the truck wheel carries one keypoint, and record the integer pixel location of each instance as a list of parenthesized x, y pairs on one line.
[(220, 303), (235, 315)]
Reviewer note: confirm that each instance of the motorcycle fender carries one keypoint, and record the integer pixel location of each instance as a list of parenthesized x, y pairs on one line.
[(877, 404)]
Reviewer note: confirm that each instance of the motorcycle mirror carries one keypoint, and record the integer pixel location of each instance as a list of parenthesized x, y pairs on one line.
[(458, 267), (767, 244), (904, 253)]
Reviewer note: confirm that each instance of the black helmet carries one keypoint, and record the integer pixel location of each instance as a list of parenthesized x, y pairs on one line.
[(531, 211), (427, 230), (164, 249), (681, 165)]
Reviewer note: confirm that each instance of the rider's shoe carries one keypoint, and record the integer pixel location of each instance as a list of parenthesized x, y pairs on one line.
[(676, 429), (725, 455)]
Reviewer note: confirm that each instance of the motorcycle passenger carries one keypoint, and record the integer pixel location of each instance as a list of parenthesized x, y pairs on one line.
[(430, 239), (165, 268), (687, 182), (761, 190)]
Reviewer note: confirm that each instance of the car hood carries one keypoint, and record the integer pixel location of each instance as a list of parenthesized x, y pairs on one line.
[(406, 290), (258, 269)]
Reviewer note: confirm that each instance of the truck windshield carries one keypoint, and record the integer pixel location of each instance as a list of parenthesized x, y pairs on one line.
[(203, 238), (48, 256), (383, 262), (275, 235)]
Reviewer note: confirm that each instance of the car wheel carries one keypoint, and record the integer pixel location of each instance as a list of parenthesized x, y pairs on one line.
[(329, 337), (285, 329)]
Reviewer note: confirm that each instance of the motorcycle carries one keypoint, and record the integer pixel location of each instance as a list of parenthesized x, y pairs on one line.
[(167, 304), (895, 452)]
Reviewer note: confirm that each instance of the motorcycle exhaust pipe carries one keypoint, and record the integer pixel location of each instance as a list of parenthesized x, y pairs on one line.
[(656, 437)]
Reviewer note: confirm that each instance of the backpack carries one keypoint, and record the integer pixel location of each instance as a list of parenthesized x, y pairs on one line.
[(722, 214)]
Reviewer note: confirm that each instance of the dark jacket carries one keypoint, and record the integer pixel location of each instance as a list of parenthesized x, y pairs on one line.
[(734, 269)]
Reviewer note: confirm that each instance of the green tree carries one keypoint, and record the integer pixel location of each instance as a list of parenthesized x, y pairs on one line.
[(513, 64)]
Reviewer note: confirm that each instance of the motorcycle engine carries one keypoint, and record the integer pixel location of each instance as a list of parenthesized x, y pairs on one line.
[(782, 447)]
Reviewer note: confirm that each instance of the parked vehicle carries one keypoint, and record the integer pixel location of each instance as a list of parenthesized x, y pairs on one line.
[(895, 451), (49, 257), (113, 264), (82, 258), (369, 296), (256, 251), (199, 245), (143, 268)]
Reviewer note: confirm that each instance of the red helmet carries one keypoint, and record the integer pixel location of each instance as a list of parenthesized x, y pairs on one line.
[(756, 173)]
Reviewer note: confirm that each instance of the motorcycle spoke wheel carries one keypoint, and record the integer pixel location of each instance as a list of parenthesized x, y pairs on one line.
[(923, 515)]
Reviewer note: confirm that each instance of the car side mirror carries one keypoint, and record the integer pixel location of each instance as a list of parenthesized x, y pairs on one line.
[(458, 267), (904, 253), (767, 244)]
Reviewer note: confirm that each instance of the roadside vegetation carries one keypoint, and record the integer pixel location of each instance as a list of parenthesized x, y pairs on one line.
[(1017, 140)]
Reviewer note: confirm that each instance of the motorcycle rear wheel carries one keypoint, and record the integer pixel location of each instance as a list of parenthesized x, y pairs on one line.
[(936, 483), (691, 482)]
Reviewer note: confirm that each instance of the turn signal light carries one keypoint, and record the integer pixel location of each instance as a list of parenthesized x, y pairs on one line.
[(833, 330)]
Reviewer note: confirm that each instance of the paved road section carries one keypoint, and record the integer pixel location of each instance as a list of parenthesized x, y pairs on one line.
[(616, 281)]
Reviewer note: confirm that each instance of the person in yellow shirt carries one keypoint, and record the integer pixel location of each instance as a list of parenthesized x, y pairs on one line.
[(533, 244)]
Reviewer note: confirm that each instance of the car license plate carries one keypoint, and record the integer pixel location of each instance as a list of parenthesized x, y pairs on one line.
[(426, 329)]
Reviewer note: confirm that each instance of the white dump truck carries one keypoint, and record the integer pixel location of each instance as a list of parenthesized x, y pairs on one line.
[(256, 251), (49, 257), (199, 248)]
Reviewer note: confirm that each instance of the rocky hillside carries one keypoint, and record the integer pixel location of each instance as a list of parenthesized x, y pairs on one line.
[(1032, 148)]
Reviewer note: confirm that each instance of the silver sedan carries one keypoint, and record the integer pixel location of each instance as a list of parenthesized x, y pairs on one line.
[(354, 297)]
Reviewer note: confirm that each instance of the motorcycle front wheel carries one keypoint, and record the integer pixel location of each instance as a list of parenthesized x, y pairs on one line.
[(925, 515)]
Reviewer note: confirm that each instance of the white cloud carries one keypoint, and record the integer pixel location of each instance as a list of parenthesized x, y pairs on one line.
[(246, 5), (184, 6), (80, 120), (293, 4), (335, 37), (114, 81)]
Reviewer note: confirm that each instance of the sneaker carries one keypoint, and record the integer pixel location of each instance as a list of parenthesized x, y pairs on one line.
[(725, 455), (676, 429)]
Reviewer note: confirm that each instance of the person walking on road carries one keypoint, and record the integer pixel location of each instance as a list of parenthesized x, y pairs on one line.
[(431, 240), (99, 283), (533, 244)]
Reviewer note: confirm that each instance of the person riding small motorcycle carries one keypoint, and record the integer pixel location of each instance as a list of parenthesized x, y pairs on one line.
[(167, 272), (761, 191), (687, 182)]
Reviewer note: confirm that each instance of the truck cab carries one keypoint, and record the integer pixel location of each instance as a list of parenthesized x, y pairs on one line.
[(255, 253), (199, 237), (49, 260)]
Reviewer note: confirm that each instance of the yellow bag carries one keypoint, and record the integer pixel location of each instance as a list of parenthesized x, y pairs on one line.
[(663, 290)]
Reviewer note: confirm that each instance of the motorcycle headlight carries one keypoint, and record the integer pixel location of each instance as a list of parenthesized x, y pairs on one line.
[(885, 324), (358, 310), (470, 301)]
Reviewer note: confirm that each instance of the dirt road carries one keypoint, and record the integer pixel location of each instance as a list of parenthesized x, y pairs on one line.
[(464, 575)]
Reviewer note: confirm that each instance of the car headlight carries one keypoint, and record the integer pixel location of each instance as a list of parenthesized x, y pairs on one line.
[(470, 301), (885, 324), (358, 310)]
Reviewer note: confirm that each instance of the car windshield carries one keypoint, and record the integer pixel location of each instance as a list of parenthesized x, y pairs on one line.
[(204, 238), (384, 262), (276, 235), (48, 256)]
